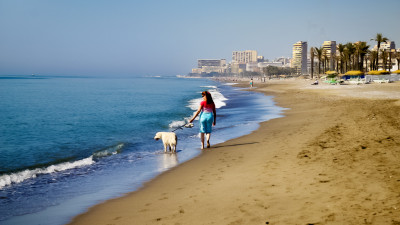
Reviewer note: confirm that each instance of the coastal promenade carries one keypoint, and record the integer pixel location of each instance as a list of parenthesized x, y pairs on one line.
[(333, 159)]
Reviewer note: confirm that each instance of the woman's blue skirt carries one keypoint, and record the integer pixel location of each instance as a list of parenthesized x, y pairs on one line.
[(206, 121)]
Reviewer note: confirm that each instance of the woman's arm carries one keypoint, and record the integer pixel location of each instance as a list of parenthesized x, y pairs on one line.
[(195, 115), (215, 116)]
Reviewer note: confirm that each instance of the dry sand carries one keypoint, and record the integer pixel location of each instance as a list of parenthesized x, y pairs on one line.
[(333, 159)]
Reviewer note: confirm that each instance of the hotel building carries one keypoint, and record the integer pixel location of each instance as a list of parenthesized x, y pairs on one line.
[(299, 60)]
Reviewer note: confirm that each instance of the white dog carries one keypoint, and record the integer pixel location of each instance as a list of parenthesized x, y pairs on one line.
[(169, 139)]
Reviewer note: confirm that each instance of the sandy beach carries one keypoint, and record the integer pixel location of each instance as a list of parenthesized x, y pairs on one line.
[(333, 159)]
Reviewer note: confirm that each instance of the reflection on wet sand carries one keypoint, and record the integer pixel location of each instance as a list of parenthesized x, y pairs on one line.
[(167, 161)]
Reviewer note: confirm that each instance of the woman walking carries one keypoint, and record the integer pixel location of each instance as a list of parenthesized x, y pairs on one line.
[(207, 118)]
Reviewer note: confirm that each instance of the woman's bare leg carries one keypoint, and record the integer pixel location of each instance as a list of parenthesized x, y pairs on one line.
[(202, 140), (208, 135)]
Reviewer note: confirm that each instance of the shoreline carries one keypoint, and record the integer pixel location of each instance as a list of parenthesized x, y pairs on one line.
[(318, 164)]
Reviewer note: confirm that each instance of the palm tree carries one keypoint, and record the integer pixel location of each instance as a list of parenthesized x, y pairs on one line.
[(337, 59), (349, 52), (356, 56), (373, 57), (379, 39), (361, 49), (318, 52), (341, 48), (325, 59)]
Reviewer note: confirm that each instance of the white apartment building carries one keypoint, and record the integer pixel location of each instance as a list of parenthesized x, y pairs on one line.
[(244, 56), (299, 59)]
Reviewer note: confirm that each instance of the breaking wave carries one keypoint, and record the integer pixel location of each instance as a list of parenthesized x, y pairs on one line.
[(218, 97), (109, 151), (21, 176)]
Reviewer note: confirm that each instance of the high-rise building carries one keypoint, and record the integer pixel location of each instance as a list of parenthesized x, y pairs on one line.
[(330, 50), (244, 56), (299, 59)]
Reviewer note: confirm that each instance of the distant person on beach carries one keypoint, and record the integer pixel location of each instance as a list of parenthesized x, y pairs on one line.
[(251, 82), (207, 117), (315, 82)]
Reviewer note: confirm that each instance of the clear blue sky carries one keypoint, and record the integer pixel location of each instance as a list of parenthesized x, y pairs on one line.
[(166, 37)]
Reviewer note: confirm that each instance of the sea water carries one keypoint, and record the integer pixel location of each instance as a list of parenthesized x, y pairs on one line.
[(68, 143)]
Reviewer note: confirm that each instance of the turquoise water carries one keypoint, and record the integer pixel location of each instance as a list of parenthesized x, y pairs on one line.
[(67, 143)]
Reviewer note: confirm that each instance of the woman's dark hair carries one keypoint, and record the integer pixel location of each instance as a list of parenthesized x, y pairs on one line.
[(208, 97)]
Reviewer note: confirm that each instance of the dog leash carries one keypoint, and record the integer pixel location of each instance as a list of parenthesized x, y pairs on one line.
[(188, 125)]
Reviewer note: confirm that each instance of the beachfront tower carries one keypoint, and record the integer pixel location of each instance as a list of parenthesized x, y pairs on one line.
[(299, 59), (329, 48)]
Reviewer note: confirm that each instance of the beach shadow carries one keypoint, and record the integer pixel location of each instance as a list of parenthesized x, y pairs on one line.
[(233, 145)]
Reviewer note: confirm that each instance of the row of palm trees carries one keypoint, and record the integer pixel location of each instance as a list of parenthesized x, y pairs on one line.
[(353, 56)]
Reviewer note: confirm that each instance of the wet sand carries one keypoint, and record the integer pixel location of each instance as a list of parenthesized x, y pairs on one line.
[(333, 159)]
